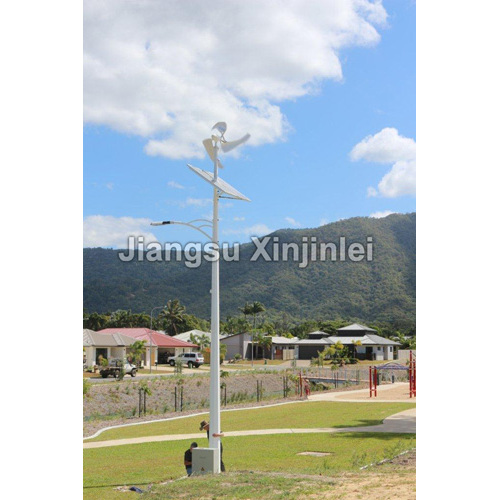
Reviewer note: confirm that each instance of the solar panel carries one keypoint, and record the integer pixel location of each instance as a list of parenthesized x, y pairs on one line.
[(219, 183)]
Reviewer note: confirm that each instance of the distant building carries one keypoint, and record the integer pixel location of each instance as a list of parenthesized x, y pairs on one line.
[(363, 342), (238, 343), (186, 336), (162, 345)]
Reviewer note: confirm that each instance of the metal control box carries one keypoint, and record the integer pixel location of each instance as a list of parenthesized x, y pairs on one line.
[(205, 461)]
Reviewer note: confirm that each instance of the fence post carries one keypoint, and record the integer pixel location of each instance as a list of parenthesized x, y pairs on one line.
[(175, 398), (140, 400), (182, 399), (415, 378)]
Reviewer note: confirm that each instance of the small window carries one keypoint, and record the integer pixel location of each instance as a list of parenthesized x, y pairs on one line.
[(390, 348), (379, 348)]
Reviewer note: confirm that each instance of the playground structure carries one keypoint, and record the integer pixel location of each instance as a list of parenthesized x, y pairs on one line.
[(412, 375)]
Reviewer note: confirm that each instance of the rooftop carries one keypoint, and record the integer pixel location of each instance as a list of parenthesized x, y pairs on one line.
[(157, 339)]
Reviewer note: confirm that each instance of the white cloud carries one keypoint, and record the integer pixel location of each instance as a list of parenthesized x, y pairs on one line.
[(198, 202), (387, 146), (401, 180), (168, 70), (324, 222), (381, 215), (255, 230), (110, 186), (109, 231), (238, 219), (293, 222), (175, 185)]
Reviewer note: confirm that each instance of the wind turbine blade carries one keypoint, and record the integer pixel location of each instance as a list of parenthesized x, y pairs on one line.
[(221, 127), (228, 146), (220, 165), (209, 147)]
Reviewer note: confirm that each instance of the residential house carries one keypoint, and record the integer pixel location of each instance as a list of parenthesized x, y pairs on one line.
[(107, 346), (238, 343), (186, 336), (158, 345)]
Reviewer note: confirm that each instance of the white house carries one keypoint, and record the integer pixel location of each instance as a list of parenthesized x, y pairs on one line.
[(284, 348), (186, 336), (107, 346), (113, 342)]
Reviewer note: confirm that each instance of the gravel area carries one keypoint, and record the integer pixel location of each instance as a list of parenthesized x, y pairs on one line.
[(117, 403)]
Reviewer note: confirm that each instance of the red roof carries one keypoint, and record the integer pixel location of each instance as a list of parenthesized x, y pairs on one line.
[(158, 339)]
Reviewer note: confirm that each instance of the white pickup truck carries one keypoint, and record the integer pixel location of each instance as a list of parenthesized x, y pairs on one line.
[(114, 366), (189, 358)]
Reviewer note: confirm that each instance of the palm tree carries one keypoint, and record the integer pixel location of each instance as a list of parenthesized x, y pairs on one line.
[(174, 314), (253, 309), (202, 341), (137, 349), (264, 341)]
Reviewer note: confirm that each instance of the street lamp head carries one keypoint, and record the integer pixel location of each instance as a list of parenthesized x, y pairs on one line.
[(162, 223)]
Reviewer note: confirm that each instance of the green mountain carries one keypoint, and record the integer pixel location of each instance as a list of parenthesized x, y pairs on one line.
[(383, 289)]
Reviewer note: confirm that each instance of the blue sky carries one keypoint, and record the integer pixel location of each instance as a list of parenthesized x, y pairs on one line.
[(303, 177)]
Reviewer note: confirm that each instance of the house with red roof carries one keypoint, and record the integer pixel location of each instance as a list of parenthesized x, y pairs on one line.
[(158, 345)]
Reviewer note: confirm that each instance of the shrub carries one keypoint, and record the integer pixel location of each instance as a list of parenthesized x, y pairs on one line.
[(178, 366), (86, 386)]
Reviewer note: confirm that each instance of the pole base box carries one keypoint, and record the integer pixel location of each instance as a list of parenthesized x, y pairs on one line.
[(206, 461)]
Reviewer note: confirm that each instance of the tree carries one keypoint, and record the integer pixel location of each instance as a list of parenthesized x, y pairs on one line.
[(202, 341), (174, 314), (234, 325), (95, 321), (406, 342), (283, 325), (253, 309), (223, 351), (301, 331), (120, 319), (137, 349), (337, 353), (264, 341)]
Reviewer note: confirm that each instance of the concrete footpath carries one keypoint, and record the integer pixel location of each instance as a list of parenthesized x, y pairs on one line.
[(388, 393), (402, 422)]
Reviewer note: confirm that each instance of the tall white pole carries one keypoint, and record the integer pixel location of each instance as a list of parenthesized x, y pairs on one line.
[(214, 347)]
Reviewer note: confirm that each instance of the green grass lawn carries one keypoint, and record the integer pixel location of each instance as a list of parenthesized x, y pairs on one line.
[(242, 486), (147, 463), (294, 415)]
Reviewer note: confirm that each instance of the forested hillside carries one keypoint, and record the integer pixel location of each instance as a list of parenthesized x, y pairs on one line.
[(383, 289)]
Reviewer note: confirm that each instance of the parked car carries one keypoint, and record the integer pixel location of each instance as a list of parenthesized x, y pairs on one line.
[(189, 358), (114, 366)]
